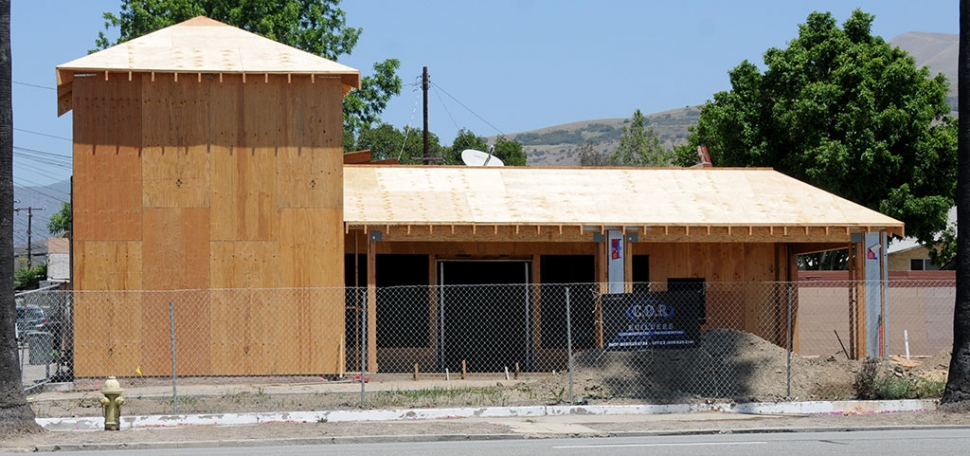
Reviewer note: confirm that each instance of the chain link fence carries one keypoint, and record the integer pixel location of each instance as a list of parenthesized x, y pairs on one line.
[(208, 351)]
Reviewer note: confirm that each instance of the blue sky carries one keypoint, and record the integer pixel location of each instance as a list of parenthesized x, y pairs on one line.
[(499, 66)]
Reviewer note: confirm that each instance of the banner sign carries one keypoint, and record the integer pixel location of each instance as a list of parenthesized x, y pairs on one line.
[(666, 319)]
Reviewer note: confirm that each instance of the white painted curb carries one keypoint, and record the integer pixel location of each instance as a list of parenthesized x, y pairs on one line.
[(234, 419)]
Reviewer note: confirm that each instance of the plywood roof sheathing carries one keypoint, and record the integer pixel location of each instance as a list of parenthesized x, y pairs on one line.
[(519, 196)]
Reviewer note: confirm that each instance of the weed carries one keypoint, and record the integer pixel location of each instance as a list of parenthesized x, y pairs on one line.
[(558, 395), (322, 419), (183, 400), (928, 388)]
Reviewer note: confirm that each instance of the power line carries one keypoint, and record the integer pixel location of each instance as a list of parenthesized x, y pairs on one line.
[(42, 134), (34, 85), (443, 105), (469, 109)]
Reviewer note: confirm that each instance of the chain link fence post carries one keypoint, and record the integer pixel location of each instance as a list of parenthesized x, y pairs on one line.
[(363, 355), (171, 326), (569, 347), (790, 348)]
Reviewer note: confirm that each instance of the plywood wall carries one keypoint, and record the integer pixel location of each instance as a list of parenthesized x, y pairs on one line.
[(203, 183)]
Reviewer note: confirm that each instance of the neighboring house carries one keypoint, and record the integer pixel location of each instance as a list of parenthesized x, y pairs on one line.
[(907, 254), (208, 158), (58, 260)]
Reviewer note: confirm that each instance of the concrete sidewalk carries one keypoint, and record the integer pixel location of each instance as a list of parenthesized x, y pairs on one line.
[(295, 428)]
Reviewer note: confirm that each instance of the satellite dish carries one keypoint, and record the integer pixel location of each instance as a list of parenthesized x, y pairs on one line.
[(473, 157)]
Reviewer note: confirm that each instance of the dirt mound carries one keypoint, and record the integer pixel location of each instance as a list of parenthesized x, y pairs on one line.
[(727, 364), (935, 368)]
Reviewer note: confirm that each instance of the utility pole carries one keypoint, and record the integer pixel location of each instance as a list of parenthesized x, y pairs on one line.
[(424, 87), (30, 218)]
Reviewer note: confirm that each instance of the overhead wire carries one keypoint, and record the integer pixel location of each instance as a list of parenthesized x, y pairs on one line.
[(448, 111), (469, 109), (42, 134), (407, 128), (34, 85)]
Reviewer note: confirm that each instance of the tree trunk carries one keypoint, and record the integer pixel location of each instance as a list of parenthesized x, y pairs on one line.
[(15, 415), (957, 392)]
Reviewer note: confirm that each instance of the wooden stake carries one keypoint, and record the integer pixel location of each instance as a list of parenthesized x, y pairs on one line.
[(415, 371), (464, 370), (516, 371)]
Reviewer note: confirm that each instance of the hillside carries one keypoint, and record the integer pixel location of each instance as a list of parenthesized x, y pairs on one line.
[(559, 145)]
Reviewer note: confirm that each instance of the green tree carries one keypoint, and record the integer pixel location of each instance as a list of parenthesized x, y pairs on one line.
[(60, 222), (465, 139), (509, 151), (588, 156), (842, 110), (315, 26), (956, 395), (29, 277), (640, 146), (387, 142), (15, 415)]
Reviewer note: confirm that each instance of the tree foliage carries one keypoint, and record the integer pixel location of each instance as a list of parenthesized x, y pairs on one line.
[(842, 110), (386, 142), (315, 26), (589, 156), (60, 222), (509, 151), (465, 139), (29, 277), (640, 146)]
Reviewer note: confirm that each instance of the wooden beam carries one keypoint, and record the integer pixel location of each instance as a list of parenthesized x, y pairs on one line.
[(601, 280), (371, 306), (360, 156), (806, 248)]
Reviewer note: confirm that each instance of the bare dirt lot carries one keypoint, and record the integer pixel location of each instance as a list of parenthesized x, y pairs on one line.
[(728, 366)]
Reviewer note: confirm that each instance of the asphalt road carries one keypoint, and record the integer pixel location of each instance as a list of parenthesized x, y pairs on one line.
[(883, 443)]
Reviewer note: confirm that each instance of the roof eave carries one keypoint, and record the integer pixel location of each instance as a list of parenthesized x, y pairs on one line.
[(65, 80)]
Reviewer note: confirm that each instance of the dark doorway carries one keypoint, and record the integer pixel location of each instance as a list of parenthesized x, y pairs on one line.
[(402, 302), (578, 273), (484, 315), (641, 273)]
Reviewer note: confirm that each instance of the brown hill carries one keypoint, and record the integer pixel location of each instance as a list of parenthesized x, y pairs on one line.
[(935, 50)]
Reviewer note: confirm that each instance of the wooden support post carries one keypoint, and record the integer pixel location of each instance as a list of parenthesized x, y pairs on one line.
[(464, 370), (371, 305), (516, 371), (601, 280), (415, 371)]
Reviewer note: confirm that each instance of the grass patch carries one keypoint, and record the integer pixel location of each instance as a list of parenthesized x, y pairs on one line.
[(440, 396)]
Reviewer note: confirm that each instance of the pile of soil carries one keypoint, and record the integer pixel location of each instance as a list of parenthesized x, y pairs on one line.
[(935, 368), (727, 364)]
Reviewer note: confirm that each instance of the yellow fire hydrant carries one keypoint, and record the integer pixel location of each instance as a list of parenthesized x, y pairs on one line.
[(111, 402)]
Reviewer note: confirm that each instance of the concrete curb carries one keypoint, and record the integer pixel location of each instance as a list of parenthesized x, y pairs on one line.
[(232, 419)]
